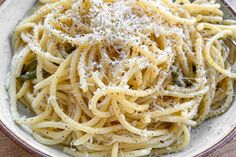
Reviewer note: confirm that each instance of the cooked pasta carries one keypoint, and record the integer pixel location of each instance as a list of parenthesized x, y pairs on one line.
[(121, 77)]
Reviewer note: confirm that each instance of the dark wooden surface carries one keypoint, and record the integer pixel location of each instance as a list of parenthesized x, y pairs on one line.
[(1, 1)]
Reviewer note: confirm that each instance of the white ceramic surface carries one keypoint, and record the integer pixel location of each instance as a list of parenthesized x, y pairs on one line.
[(203, 137)]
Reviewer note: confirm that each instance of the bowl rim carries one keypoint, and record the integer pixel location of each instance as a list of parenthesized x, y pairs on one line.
[(13, 137)]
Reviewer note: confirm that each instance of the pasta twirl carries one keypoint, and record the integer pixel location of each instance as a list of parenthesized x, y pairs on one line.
[(121, 78)]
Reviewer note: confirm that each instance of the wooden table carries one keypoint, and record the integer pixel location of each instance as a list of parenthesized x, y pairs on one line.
[(10, 149)]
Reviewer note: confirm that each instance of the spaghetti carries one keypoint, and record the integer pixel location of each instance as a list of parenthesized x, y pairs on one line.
[(121, 78)]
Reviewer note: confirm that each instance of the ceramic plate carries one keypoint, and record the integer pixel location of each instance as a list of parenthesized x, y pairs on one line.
[(211, 135)]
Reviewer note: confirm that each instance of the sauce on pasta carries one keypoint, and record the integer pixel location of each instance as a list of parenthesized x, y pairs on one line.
[(121, 77)]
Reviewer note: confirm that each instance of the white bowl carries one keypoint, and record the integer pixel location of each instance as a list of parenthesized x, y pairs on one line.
[(209, 136)]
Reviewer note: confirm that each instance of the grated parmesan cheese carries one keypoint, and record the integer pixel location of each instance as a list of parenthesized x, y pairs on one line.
[(124, 22)]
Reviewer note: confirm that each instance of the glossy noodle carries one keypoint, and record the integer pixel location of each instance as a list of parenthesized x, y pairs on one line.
[(121, 77)]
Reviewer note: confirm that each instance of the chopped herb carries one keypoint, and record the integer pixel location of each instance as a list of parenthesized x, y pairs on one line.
[(181, 82), (176, 79), (30, 67), (28, 75), (29, 71), (174, 74)]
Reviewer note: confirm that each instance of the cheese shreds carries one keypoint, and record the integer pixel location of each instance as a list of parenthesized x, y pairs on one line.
[(124, 22)]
